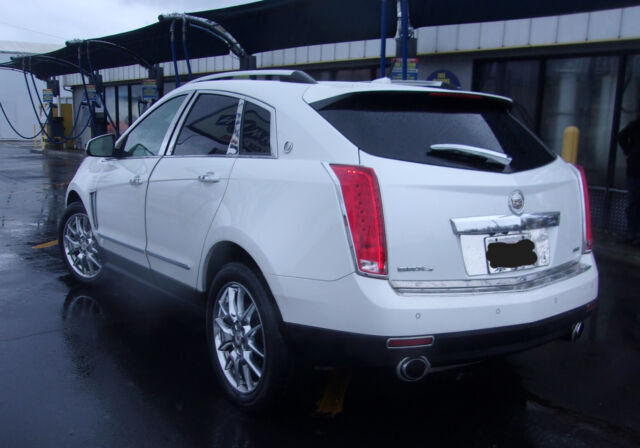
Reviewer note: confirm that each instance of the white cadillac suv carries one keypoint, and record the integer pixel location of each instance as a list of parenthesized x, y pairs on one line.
[(365, 223)]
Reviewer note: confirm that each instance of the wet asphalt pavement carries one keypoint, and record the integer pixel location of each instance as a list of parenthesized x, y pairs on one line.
[(123, 365)]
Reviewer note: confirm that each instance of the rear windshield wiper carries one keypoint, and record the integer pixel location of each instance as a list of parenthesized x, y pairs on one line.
[(483, 153)]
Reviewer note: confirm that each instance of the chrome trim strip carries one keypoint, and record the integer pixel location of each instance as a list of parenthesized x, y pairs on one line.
[(505, 284), (490, 154), (94, 210), (170, 261), (128, 246), (484, 225)]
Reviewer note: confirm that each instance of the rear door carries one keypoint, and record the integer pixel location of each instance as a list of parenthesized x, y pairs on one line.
[(449, 165), (188, 184)]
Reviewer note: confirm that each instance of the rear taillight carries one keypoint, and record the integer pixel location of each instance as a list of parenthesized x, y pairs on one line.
[(587, 244), (361, 195)]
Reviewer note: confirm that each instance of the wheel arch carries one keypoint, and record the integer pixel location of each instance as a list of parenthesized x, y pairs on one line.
[(73, 196), (224, 252)]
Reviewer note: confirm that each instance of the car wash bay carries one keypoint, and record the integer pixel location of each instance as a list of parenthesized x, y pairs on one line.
[(124, 365)]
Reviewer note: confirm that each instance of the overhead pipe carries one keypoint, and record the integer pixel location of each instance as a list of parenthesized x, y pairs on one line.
[(139, 59), (218, 31)]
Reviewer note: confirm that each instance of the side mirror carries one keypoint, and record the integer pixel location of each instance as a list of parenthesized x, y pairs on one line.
[(102, 146)]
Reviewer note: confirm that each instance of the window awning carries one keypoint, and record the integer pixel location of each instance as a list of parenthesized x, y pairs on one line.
[(279, 24)]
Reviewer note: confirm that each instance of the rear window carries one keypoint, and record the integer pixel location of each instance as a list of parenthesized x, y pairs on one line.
[(406, 125)]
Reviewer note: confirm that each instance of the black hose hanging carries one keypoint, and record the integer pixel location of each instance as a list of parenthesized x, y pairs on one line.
[(86, 93), (100, 91)]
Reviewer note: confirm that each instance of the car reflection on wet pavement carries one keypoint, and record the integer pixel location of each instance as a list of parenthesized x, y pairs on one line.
[(122, 364)]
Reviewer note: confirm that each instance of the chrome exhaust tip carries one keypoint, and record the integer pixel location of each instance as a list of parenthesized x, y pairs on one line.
[(576, 330), (413, 369)]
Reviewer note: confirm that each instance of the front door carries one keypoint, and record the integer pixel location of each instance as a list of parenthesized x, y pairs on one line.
[(122, 184)]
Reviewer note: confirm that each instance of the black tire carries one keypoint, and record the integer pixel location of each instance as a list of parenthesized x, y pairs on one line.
[(93, 272), (276, 364)]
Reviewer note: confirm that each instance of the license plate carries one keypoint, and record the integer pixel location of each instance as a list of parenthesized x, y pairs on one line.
[(516, 252)]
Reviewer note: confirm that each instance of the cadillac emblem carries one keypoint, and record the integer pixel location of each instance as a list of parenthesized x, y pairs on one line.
[(516, 202)]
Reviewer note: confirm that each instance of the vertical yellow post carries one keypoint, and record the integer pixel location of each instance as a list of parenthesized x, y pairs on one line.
[(35, 138), (570, 140)]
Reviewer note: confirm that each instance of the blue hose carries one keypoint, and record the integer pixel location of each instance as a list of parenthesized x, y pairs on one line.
[(184, 48), (75, 122), (173, 52), (42, 126), (15, 130)]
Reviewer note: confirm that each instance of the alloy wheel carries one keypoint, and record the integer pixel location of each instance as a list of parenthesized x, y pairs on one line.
[(239, 338), (81, 247)]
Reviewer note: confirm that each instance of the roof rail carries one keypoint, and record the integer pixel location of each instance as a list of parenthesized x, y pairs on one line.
[(417, 83), (272, 75)]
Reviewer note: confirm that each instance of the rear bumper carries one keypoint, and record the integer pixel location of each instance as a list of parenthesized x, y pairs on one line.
[(362, 305), (342, 348)]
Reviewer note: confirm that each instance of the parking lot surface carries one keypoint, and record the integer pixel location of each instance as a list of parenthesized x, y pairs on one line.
[(124, 365)]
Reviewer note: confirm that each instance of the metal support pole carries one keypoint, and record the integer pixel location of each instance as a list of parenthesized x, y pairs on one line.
[(405, 32), (383, 38)]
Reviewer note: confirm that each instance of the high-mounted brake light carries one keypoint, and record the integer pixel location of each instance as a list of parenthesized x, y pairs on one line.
[(587, 244), (361, 195), (469, 96)]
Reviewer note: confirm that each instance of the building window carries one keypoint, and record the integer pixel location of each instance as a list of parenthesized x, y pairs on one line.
[(629, 111), (110, 100), (581, 92), (137, 106), (123, 108), (515, 79)]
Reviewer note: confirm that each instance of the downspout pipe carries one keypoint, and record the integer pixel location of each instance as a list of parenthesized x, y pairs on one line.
[(383, 37)]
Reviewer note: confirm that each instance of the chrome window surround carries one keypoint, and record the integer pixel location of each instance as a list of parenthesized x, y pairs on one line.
[(505, 284), (486, 225), (243, 99)]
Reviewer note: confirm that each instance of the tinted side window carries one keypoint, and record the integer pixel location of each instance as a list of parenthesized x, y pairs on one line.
[(209, 126), (256, 130), (146, 138)]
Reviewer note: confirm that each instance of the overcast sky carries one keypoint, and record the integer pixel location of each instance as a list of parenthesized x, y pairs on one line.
[(56, 21)]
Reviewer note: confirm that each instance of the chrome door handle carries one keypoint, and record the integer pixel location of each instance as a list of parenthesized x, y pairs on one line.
[(136, 181), (209, 177)]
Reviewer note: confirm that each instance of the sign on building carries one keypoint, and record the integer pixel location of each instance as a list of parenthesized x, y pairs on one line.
[(91, 92), (412, 69), (47, 96), (444, 76), (149, 89)]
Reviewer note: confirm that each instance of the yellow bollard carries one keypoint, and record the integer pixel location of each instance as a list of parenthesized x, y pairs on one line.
[(570, 140)]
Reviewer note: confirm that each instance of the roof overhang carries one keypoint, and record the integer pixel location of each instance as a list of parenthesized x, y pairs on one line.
[(278, 24)]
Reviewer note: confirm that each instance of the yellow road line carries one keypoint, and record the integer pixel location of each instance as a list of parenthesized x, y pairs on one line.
[(45, 245)]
